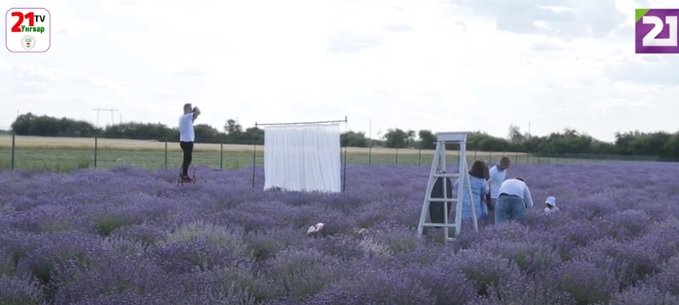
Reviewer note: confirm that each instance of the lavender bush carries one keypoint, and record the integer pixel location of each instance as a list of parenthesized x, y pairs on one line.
[(129, 236)]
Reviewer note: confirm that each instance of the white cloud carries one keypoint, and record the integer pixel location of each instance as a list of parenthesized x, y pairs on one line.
[(426, 64)]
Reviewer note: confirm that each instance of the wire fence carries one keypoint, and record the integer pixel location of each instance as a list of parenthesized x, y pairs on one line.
[(64, 154)]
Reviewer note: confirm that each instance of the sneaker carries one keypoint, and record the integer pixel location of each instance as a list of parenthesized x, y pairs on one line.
[(185, 178)]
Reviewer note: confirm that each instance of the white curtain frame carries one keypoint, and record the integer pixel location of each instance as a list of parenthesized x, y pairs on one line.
[(303, 158)]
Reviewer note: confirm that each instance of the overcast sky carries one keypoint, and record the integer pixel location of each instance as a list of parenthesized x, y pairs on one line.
[(417, 64)]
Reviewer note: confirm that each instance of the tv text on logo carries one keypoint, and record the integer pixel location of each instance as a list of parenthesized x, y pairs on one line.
[(28, 30)]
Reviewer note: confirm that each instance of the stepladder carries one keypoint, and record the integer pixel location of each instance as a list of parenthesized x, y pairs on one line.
[(439, 197)]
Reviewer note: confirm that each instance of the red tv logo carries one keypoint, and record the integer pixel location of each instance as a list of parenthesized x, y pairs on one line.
[(28, 30)]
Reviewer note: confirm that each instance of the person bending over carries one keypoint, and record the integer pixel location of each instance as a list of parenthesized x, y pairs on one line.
[(187, 137), (513, 201)]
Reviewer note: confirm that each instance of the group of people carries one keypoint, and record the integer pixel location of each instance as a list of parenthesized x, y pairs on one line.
[(493, 195)]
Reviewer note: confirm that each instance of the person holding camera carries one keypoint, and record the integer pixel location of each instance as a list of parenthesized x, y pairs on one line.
[(187, 136)]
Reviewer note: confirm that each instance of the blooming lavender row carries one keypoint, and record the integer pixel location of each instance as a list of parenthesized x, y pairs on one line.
[(129, 236)]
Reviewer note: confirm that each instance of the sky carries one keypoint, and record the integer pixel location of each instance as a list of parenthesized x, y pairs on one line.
[(447, 65)]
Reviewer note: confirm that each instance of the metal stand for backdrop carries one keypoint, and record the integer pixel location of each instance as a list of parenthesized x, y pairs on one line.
[(344, 147)]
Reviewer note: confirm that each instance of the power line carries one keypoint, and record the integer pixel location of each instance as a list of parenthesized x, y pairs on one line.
[(112, 111)]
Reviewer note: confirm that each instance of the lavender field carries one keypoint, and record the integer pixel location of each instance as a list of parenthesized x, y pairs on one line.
[(130, 236)]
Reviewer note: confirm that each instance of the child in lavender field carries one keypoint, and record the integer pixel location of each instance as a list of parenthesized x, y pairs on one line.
[(551, 206)]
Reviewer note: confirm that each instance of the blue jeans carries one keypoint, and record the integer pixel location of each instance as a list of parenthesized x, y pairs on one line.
[(509, 208)]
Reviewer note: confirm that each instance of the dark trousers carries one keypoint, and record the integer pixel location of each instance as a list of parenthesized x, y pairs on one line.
[(187, 148)]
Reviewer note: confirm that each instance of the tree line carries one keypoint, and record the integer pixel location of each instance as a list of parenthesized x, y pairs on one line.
[(664, 145)]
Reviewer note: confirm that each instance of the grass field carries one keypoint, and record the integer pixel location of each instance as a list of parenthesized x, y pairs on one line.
[(64, 154)]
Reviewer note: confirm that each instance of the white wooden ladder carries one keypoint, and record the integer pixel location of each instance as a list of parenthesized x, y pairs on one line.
[(438, 171)]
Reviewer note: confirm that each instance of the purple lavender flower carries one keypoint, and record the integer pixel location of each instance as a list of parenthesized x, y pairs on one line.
[(643, 295), (585, 282), (530, 257), (668, 279), (20, 292), (628, 262), (302, 273), (131, 236), (485, 270), (375, 286)]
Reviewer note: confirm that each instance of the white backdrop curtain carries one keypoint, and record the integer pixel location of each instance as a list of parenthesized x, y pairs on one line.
[(303, 158)]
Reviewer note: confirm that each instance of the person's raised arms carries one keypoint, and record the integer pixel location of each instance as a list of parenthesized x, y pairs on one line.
[(196, 113)]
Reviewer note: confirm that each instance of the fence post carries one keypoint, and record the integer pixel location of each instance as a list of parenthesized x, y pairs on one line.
[(419, 157), (527, 157), (221, 155), (96, 144), (165, 152), (254, 160), (13, 147), (370, 153), (344, 170), (396, 155)]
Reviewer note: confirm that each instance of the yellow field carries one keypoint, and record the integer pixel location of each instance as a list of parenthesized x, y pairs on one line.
[(31, 142)]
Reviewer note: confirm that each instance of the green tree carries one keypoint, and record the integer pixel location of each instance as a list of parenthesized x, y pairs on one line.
[(484, 142), (232, 126), (515, 134), (234, 133), (397, 138), (671, 148), (207, 134), (664, 145), (253, 135), (353, 139), (22, 124), (141, 131), (47, 126), (427, 139)]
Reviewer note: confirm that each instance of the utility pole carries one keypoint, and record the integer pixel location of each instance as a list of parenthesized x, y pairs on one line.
[(98, 110), (370, 132)]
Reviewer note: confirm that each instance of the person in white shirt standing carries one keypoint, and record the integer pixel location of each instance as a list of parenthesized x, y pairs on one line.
[(497, 176), (187, 137), (513, 201)]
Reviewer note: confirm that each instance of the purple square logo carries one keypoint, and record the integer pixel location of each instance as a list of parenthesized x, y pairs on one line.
[(656, 30)]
